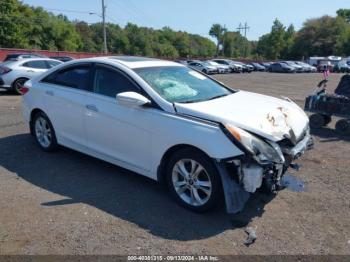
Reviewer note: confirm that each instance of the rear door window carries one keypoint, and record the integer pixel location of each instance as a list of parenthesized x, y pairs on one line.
[(74, 77)]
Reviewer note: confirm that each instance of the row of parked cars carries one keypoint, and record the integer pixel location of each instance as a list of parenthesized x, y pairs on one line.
[(223, 66)]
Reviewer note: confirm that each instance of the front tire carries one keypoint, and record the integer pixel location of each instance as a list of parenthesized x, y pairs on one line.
[(193, 180), (44, 132)]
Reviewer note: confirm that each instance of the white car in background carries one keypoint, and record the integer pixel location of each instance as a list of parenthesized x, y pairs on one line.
[(170, 123), (222, 69), (14, 73), (203, 67)]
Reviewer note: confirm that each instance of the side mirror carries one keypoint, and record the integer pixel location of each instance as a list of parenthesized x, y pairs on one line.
[(132, 99)]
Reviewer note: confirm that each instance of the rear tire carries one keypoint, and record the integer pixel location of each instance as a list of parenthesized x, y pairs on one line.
[(44, 132), (17, 84), (193, 180), (343, 127), (317, 121)]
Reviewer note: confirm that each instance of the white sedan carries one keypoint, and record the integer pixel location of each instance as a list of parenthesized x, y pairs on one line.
[(14, 73), (170, 123)]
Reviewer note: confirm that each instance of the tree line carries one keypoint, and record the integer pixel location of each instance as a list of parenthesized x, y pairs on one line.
[(23, 26)]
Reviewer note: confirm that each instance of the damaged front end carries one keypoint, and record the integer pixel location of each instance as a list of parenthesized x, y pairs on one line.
[(263, 164)]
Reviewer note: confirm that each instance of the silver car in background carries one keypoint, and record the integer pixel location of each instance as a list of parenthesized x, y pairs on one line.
[(13, 74), (235, 68), (297, 68), (204, 67), (308, 68), (222, 69)]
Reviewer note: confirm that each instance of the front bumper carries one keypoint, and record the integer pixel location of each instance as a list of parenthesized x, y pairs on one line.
[(243, 176), (299, 149), (253, 174)]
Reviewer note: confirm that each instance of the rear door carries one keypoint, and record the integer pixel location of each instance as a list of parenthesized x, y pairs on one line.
[(65, 92), (119, 132)]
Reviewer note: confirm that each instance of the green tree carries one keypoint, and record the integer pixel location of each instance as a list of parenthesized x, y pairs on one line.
[(217, 31), (322, 36), (235, 45), (11, 25), (344, 13)]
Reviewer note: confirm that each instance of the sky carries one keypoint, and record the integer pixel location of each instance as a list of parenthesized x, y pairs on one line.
[(197, 16)]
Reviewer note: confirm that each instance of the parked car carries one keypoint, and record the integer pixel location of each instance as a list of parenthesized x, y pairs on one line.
[(258, 67), (266, 65), (203, 67), (170, 123), (235, 68), (281, 68), (16, 57), (222, 69), (63, 59), (308, 68), (13, 74), (246, 68), (298, 68), (341, 67)]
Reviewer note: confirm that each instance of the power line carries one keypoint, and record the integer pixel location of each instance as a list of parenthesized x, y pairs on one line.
[(68, 11)]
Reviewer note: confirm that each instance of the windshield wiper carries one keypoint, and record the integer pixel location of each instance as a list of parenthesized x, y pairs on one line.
[(215, 97)]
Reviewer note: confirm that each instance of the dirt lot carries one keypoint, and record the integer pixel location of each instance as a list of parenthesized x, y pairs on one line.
[(69, 203)]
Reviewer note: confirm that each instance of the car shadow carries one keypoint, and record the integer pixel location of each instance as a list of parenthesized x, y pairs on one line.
[(82, 179), (5, 92), (328, 135)]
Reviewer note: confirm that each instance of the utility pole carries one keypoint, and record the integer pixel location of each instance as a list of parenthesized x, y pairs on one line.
[(245, 28), (105, 50)]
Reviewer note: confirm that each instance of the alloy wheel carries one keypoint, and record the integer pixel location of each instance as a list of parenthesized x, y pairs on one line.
[(191, 182), (43, 132)]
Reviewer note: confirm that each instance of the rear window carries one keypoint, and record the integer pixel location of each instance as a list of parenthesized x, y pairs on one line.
[(52, 63)]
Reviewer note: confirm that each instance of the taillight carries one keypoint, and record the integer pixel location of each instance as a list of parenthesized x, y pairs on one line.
[(23, 90), (4, 70)]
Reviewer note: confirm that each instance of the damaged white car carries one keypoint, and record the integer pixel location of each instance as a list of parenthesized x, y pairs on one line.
[(170, 123)]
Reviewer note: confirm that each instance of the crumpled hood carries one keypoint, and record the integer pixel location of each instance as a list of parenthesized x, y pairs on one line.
[(266, 116)]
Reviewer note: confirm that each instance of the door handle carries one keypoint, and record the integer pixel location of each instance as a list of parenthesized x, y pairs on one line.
[(30, 71), (49, 92), (92, 108)]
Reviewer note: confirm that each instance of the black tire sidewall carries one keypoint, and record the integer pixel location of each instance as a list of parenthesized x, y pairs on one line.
[(339, 127), (53, 145), (206, 162), (317, 121)]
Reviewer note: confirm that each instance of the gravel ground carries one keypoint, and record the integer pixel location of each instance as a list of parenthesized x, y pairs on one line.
[(70, 203)]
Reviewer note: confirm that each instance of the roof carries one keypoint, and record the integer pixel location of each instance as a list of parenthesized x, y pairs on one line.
[(138, 62)]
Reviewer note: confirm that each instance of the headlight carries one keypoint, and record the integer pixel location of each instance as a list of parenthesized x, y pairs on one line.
[(262, 150)]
